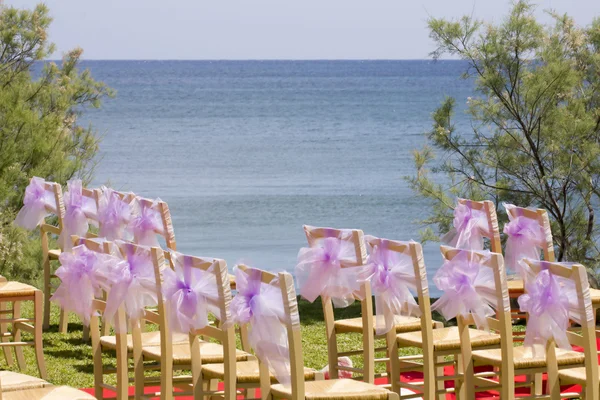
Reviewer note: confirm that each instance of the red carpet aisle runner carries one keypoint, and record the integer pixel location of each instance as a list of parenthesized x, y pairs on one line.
[(405, 377)]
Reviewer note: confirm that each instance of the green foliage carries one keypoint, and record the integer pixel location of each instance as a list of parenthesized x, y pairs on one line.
[(39, 134), (535, 125)]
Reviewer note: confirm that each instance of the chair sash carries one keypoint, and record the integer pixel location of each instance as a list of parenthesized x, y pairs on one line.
[(260, 305), (37, 204), (320, 272), (132, 282), (190, 294), (468, 288), (114, 215), (392, 278), (78, 209), (146, 223), (525, 239), (80, 272), (470, 226)]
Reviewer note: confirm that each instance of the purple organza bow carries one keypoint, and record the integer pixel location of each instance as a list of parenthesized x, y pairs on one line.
[(190, 294), (37, 205), (114, 215), (319, 272), (525, 239), (146, 223), (468, 289), (77, 211), (547, 302), (470, 226), (80, 284), (261, 306), (132, 283), (392, 277)]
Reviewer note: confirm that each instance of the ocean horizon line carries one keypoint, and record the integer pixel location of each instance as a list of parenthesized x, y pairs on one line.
[(263, 59)]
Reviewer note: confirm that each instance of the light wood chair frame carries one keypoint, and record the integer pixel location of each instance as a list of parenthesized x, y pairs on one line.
[(285, 283), (434, 362), (507, 372), (121, 370), (313, 235)]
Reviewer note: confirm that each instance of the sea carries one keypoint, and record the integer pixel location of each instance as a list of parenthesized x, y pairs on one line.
[(247, 152)]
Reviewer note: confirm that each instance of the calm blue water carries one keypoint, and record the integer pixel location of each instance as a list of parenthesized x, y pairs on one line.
[(246, 152)]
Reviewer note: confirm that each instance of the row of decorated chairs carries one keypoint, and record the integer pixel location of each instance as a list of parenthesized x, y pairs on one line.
[(337, 267)]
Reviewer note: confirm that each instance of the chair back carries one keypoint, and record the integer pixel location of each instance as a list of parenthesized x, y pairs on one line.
[(59, 211), (314, 236), (493, 233), (166, 230), (498, 292), (541, 217), (414, 251)]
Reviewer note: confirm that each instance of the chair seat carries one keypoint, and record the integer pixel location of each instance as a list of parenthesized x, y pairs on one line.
[(16, 289), (595, 295), (148, 339), (246, 372), (54, 254), (12, 381), (523, 357), (515, 286), (48, 393), (335, 389), (355, 325), (574, 376), (211, 353), (445, 339)]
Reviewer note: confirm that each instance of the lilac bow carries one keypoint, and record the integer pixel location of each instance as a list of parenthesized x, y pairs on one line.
[(79, 280), (468, 289), (190, 294), (547, 303), (470, 226), (132, 283), (114, 215), (392, 277), (146, 223), (77, 211), (37, 205), (525, 239), (320, 272), (261, 306)]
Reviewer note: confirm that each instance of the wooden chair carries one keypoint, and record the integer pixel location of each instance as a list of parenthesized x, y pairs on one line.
[(439, 344), (332, 389), (169, 351), (118, 342), (397, 364), (15, 386), (510, 361), (243, 375), (364, 324), (16, 293)]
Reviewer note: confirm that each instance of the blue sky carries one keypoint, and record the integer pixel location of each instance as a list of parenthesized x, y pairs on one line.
[(266, 29)]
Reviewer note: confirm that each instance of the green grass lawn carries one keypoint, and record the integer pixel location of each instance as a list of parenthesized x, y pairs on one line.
[(69, 359)]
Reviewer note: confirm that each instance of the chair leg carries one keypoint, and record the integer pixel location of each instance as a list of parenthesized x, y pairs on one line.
[(97, 357), (17, 337), (63, 324), (507, 384), (368, 357), (4, 335), (439, 384), (38, 304)]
